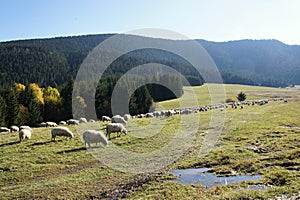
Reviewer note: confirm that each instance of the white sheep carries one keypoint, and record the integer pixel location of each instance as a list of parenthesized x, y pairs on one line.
[(4, 129), (62, 123), (115, 128), (72, 121), (127, 117), (149, 115), (25, 127), (51, 124), (105, 118), (14, 128), (91, 120), (157, 113), (24, 134), (61, 131), (93, 136), (118, 119), (82, 120), (43, 124)]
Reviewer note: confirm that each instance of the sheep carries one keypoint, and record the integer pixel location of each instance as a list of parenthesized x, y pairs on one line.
[(186, 111), (93, 136), (43, 124), (4, 129), (82, 120), (62, 123), (115, 128), (127, 117), (61, 131), (14, 128), (118, 119), (72, 121), (91, 120), (170, 113), (106, 118), (25, 127), (141, 116), (157, 113), (51, 124), (149, 115), (25, 134)]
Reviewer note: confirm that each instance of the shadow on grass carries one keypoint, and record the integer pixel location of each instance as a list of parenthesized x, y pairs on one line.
[(40, 143), (72, 150), (10, 143)]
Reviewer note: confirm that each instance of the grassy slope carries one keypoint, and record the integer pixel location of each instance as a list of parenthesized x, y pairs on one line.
[(64, 169)]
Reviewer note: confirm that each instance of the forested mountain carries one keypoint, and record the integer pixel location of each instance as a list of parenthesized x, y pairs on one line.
[(265, 62), (53, 61)]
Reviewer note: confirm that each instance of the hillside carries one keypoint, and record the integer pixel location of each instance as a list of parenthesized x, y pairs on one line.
[(53, 61), (260, 60), (249, 144)]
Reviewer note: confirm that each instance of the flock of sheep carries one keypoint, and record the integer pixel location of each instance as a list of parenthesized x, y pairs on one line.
[(117, 122), (89, 136)]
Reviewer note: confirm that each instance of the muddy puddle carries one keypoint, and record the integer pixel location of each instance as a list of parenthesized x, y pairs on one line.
[(203, 177)]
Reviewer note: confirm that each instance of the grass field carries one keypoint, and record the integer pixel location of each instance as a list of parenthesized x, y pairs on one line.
[(255, 140)]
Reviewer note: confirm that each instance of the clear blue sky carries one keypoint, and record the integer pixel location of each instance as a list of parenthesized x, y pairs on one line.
[(215, 20)]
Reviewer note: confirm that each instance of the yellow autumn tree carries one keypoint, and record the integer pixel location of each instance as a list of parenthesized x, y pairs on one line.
[(52, 106), (19, 87), (51, 95), (38, 93)]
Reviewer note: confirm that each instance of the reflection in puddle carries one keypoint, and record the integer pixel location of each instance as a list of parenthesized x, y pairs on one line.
[(201, 176)]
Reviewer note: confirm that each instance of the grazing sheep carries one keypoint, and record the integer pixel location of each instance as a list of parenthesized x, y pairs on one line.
[(186, 111), (170, 113), (157, 113), (14, 128), (149, 115), (24, 134), (72, 121), (25, 127), (62, 123), (118, 119), (82, 120), (115, 128), (61, 131), (51, 124), (4, 129), (43, 124), (141, 116), (106, 118), (127, 117), (91, 120), (93, 136)]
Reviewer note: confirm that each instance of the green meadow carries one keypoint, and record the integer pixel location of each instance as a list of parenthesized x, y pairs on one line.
[(262, 140)]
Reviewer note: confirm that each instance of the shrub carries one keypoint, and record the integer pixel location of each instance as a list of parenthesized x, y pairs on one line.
[(241, 96)]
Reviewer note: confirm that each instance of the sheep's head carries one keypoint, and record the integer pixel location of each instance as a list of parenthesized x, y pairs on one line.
[(125, 131)]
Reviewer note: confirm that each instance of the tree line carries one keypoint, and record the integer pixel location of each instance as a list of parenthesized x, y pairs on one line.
[(31, 104)]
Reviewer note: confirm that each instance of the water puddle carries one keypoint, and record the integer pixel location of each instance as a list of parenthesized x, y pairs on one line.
[(201, 176)]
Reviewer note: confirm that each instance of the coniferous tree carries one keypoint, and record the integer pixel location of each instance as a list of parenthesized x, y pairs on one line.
[(35, 114), (143, 100), (3, 111), (14, 116), (241, 96), (66, 95)]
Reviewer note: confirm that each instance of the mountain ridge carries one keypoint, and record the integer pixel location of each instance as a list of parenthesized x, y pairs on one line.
[(255, 62)]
